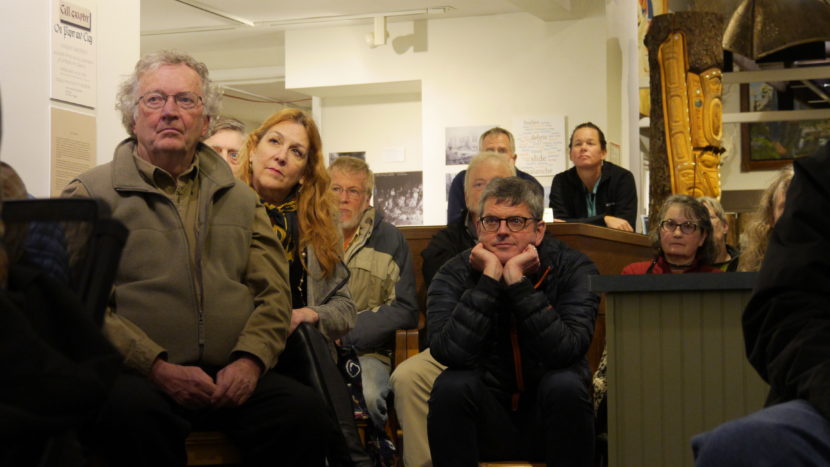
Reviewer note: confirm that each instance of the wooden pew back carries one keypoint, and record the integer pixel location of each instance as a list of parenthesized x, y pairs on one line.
[(610, 249)]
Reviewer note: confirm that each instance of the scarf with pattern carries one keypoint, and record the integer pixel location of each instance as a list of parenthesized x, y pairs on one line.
[(286, 226), (284, 222)]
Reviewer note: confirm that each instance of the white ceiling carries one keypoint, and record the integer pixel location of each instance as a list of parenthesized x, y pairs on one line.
[(248, 61)]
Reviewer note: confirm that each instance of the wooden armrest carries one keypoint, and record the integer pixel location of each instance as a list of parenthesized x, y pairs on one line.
[(406, 344)]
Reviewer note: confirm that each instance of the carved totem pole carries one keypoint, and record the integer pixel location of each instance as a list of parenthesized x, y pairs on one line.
[(685, 60)]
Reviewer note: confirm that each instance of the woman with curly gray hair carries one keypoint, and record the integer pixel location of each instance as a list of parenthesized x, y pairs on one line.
[(683, 240)]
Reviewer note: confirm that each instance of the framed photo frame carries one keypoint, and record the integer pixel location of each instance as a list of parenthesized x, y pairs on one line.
[(772, 145)]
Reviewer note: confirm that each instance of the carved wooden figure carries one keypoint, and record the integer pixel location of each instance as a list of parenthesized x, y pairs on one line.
[(685, 58)]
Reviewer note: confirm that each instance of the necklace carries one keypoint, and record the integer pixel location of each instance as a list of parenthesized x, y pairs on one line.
[(679, 266)]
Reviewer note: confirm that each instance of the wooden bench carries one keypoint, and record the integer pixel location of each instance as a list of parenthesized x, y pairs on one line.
[(609, 249)]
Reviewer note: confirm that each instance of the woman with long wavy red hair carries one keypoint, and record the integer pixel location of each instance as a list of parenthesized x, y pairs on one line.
[(285, 167), (284, 161)]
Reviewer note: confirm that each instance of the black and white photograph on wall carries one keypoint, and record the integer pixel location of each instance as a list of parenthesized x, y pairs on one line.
[(400, 197), (462, 143), (359, 154)]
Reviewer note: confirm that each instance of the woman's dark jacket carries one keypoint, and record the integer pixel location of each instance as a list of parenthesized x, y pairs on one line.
[(787, 321), (616, 196)]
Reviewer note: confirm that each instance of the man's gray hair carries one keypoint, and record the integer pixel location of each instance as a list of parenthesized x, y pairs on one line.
[(354, 165), (492, 157), (715, 205), (514, 191), (497, 131), (225, 123), (128, 90)]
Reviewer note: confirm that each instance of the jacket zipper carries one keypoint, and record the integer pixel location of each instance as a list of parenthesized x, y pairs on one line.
[(196, 298)]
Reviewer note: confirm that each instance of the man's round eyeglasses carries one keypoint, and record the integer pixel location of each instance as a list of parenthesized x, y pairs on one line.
[(687, 227), (156, 100), (351, 193), (514, 223)]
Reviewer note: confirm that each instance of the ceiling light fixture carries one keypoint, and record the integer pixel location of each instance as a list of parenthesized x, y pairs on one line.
[(379, 34)]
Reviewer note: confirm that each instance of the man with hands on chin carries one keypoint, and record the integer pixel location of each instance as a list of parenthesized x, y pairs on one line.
[(201, 307), (512, 319), (510, 272)]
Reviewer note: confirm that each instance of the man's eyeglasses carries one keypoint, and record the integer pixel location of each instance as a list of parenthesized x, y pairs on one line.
[(156, 100), (514, 223), (351, 193), (687, 227)]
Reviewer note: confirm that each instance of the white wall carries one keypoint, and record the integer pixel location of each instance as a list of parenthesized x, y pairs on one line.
[(375, 124), (623, 95), (473, 71), (25, 82), (119, 29)]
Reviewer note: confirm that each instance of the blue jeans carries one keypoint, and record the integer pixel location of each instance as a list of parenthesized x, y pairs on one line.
[(375, 379), (788, 434)]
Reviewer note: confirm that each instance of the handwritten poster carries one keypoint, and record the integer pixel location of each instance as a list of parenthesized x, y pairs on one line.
[(74, 55), (540, 144)]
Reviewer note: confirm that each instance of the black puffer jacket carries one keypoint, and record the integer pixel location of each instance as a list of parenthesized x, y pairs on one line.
[(787, 321), (444, 245), (469, 317)]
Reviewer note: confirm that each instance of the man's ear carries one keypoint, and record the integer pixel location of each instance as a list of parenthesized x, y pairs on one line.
[(540, 232), (205, 127)]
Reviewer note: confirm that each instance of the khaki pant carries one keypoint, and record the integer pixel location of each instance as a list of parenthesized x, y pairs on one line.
[(412, 383)]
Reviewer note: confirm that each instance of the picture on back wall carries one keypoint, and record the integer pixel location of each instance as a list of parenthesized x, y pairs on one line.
[(400, 197), (462, 143)]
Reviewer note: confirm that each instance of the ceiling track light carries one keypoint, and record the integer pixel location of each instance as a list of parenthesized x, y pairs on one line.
[(379, 33)]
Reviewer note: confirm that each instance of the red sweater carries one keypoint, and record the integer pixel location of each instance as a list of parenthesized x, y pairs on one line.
[(662, 267)]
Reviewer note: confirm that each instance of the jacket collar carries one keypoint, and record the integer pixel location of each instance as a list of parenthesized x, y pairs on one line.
[(604, 175), (126, 176), (368, 222)]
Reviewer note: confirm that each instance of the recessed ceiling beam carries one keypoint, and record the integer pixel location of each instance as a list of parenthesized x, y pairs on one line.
[(218, 12)]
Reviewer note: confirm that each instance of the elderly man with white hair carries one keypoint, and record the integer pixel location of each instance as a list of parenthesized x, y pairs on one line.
[(201, 307)]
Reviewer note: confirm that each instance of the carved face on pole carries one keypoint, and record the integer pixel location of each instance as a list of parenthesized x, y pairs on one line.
[(692, 111)]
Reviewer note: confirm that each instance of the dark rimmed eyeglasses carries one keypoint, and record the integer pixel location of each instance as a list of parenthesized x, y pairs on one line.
[(156, 100), (514, 223), (351, 193), (687, 227)]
